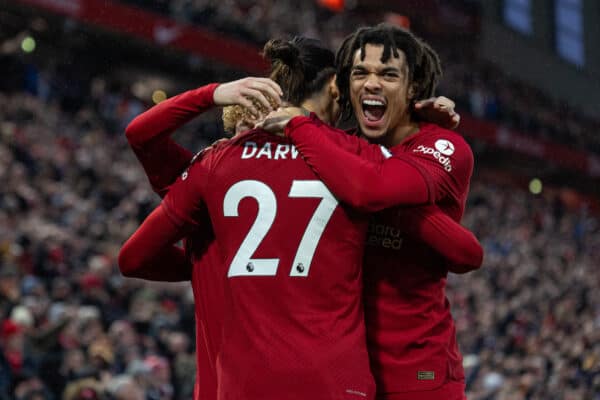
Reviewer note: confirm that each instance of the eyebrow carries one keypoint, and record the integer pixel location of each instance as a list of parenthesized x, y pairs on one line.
[(382, 71), (391, 69)]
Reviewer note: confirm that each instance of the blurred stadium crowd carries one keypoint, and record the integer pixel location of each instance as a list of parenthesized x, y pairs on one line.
[(71, 327), (477, 86)]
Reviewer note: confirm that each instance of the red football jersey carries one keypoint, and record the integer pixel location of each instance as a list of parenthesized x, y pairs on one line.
[(294, 327), (411, 333), (208, 285)]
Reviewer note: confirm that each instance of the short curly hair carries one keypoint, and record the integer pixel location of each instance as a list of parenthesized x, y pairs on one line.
[(232, 115)]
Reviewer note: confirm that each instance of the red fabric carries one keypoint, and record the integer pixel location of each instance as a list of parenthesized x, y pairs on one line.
[(207, 342), (139, 259), (410, 328), (164, 160), (9, 328), (365, 182), (15, 360), (292, 337), (151, 254), (355, 176), (149, 135), (208, 285), (409, 325), (461, 250)]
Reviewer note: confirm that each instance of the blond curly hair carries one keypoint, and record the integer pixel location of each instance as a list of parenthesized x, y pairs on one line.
[(232, 115)]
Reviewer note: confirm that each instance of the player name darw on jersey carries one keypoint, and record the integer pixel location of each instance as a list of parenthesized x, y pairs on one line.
[(269, 150)]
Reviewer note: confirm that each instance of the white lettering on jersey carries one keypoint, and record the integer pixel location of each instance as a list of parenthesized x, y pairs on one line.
[(243, 264), (442, 147), (249, 150), (281, 152), (265, 151)]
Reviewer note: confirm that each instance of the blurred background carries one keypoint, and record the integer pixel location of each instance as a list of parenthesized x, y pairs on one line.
[(525, 75)]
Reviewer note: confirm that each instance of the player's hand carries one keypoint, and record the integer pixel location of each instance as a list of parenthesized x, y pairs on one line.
[(276, 121), (246, 91), (438, 110)]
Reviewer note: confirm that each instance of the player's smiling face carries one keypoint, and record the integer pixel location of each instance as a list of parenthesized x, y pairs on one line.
[(379, 92)]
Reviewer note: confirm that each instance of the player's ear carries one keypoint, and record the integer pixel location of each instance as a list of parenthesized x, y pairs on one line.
[(334, 91), (411, 92)]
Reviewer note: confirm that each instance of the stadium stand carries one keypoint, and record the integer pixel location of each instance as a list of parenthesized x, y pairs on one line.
[(71, 327), (483, 90)]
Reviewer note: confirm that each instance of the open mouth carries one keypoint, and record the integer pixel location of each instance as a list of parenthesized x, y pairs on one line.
[(373, 109)]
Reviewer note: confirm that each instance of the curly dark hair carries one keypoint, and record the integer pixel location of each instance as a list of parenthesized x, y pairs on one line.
[(423, 63)]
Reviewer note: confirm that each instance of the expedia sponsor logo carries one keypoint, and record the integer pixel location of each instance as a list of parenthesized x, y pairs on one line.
[(441, 153), (445, 147), (384, 236)]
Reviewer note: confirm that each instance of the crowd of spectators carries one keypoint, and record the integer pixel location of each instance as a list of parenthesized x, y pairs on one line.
[(487, 93), (528, 322), (481, 89), (71, 327), (71, 194)]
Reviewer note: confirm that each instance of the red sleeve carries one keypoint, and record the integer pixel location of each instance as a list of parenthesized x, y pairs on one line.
[(150, 253), (149, 135), (344, 139), (447, 161), (363, 178), (184, 203), (457, 244)]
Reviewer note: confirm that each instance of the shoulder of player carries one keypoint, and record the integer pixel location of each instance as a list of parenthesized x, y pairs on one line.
[(206, 157), (441, 138), (218, 147), (435, 131), (247, 135), (223, 148), (205, 153), (257, 136)]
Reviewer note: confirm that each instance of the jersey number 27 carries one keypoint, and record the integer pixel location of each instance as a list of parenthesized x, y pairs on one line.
[(243, 264)]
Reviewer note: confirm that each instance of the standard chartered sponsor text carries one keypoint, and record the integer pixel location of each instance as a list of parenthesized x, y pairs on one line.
[(385, 236)]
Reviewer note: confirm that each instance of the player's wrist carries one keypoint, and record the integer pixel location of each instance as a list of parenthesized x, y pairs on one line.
[(296, 122), (206, 94)]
